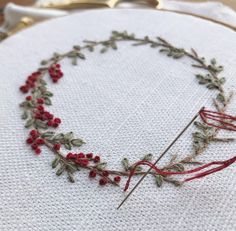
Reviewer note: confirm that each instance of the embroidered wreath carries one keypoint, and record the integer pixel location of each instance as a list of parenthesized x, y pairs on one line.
[(43, 124)]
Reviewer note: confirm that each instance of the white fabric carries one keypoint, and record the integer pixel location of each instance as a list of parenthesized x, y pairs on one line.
[(124, 103), (213, 10)]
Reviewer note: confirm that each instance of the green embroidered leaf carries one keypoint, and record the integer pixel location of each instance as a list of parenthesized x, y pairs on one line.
[(40, 124), (29, 123), (71, 177), (179, 167), (77, 142), (159, 180), (81, 56), (221, 97), (213, 66), (101, 166), (24, 104), (71, 167), (210, 81), (137, 169), (55, 162), (58, 137), (212, 86), (213, 61), (42, 82), (103, 50), (74, 60), (113, 45), (154, 45), (44, 62), (30, 104), (68, 146), (173, 52), (200, 125), (69, 136), (199, 135), (24, 116), (77, 47), (148, 157), (48, 134), (125, 163), (60, 170), (90, 48), (222, 80), (47, 101), (48, 94)]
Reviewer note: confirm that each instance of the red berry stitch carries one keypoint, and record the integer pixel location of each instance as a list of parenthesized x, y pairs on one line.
[(117, 179), (34, 146), (89, 155), (28, 98), (103, 181), (34, 134), (56, 147), (50, 123), (30, 82), (39, 141), (105, 173), (70, 156), (24, 89), (55, 125), (96, 159), (57, 120), (92, 174), (37, 151), (40, 108), (55, 72), (29, 140), (81, 155), (40, 100)]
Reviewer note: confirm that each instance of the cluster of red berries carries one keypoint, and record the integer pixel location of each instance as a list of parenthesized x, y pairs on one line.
[(35, 141), (30, 82), (83, 160), (41, 114), (104, 179), (55, 72)]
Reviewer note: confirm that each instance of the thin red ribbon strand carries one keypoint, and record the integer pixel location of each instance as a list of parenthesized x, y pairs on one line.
[(223, 121), (222, 165)]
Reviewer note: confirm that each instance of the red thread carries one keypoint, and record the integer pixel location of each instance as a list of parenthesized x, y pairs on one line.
[(218, 117), (223, 164)]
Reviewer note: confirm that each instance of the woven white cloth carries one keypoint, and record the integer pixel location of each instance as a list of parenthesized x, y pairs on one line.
[(124, 103)]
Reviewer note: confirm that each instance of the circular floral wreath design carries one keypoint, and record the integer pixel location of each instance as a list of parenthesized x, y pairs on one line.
[(43, 124)]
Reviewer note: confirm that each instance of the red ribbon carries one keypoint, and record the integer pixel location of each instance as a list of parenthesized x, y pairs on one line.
[(222, 165), (224, 121)]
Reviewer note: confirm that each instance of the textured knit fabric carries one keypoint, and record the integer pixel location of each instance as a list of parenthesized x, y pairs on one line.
[(124, 103)]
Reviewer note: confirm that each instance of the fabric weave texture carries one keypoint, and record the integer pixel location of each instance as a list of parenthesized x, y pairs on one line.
[(124, 103)]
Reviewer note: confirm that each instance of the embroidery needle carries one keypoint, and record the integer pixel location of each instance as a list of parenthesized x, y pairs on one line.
[(159, 158)]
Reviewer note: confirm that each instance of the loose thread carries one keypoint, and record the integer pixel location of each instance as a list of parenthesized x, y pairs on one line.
[(220, 118), (223, 164), (205, 115)]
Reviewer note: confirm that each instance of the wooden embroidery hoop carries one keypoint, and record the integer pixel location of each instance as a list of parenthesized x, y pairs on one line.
[(202, 17), (233, 28)]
